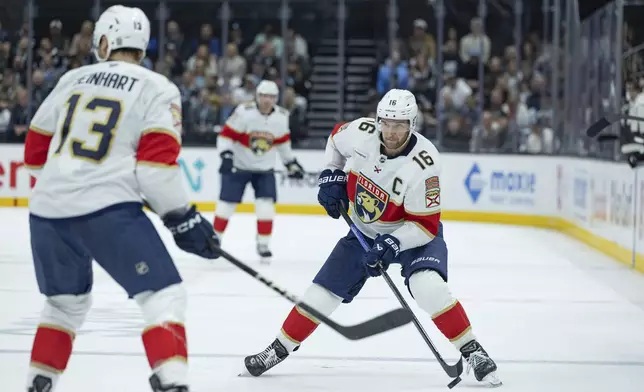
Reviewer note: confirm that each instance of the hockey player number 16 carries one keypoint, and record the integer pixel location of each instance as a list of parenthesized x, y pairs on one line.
[(104, 130)]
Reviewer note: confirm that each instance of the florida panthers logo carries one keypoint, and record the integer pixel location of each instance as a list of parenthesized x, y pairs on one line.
[(260, 142), (370, 200)]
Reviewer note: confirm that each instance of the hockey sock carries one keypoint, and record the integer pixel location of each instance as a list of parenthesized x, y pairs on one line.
[(52, 348), (454, 324), (264, 230), (220, 225), (167, 351), (51, 351), (296, 328), (433, 296)]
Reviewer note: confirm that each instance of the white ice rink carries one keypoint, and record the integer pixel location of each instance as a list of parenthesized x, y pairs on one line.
[(554, 314)]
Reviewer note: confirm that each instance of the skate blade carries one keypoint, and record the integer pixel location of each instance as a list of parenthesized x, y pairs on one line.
[(493, 380), (265, 260), (244, 373)]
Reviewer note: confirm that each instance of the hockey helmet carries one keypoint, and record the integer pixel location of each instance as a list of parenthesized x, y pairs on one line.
[(123, 27)]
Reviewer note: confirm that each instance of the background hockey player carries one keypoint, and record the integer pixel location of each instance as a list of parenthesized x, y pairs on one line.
[(247, 146), (393, 188), (107, 133)]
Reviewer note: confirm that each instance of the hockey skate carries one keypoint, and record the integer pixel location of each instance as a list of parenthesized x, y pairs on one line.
[(156, 385), (41, 384), (479, 361), (264, 253), (258, 364)]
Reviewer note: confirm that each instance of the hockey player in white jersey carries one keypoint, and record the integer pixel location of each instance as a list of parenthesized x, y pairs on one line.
[(106, 134), (393, 188), (248, 145)]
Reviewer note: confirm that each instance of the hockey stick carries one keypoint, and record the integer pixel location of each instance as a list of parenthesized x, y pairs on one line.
[(454, 371), (385, 322), (601, 124)]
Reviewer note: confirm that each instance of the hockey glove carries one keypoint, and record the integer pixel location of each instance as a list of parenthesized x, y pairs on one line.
[(384, 250), (294, 169), (333, 191), (226, 162), (193, 233)]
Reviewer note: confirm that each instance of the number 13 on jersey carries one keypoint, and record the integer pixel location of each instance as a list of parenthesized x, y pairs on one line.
[(80, 147)]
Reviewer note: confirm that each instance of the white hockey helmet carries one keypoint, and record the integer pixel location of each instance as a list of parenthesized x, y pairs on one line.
[(123, 27), (398, 105), (267, 87)]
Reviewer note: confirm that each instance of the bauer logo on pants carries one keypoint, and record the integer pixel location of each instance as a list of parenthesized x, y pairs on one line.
[(370, 200)]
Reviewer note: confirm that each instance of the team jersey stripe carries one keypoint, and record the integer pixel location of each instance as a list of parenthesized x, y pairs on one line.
[(158, 147), (282, 139), (239, 137), (337, 129), (428, 223), (36, 148)]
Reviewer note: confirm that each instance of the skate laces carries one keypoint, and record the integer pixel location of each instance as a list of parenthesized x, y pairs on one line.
[(269, 357), (476, 359)]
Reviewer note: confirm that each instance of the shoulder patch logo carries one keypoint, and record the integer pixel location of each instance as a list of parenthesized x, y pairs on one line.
[(177, 118), (370, 200), (432, 192)]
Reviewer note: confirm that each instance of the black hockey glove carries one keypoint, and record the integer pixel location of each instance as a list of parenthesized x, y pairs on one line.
[(333, 191), (193, 233), (294, 169), (226, 162)]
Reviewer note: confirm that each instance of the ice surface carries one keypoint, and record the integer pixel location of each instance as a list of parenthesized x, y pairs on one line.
[(554, 314)]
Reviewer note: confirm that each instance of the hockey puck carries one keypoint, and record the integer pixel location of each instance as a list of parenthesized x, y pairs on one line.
[(454, 382)]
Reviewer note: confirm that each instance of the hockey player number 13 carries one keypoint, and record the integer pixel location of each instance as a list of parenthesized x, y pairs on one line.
[(104, 130)]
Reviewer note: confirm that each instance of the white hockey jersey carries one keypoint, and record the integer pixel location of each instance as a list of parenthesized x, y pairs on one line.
[(254, 137), (106, 134), (398, 196)]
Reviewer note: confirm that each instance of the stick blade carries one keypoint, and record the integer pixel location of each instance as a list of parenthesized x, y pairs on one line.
[(383, 323), (597, 127)]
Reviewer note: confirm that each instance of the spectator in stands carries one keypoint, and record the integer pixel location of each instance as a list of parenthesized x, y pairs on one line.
[(5, 117), (232, 66), (476, 43), (206, 59), (457, 135), (267, 36), (541, 139), (175, 39), (267, 57), (10, 86), (246, 92), (537, 92), (207, 37), (296, 118), (394, 73), (39, 90), (296, 45), (203, 118), (455, 92), (82, 40), (421, 41), (58, 41), (5, 55), (487, 136), (18, 124), (4, 37)]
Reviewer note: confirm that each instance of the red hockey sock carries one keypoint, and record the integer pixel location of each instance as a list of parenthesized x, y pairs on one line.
[(452, 321), (165, 342), (264, 227), (52, 347), (298, 326), (220, 224)]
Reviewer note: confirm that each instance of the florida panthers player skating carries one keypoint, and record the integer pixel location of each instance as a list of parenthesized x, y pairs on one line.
[(393, 188), (106, 134)]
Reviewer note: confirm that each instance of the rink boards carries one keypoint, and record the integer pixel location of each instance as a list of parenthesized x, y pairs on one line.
[(599, 203)]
